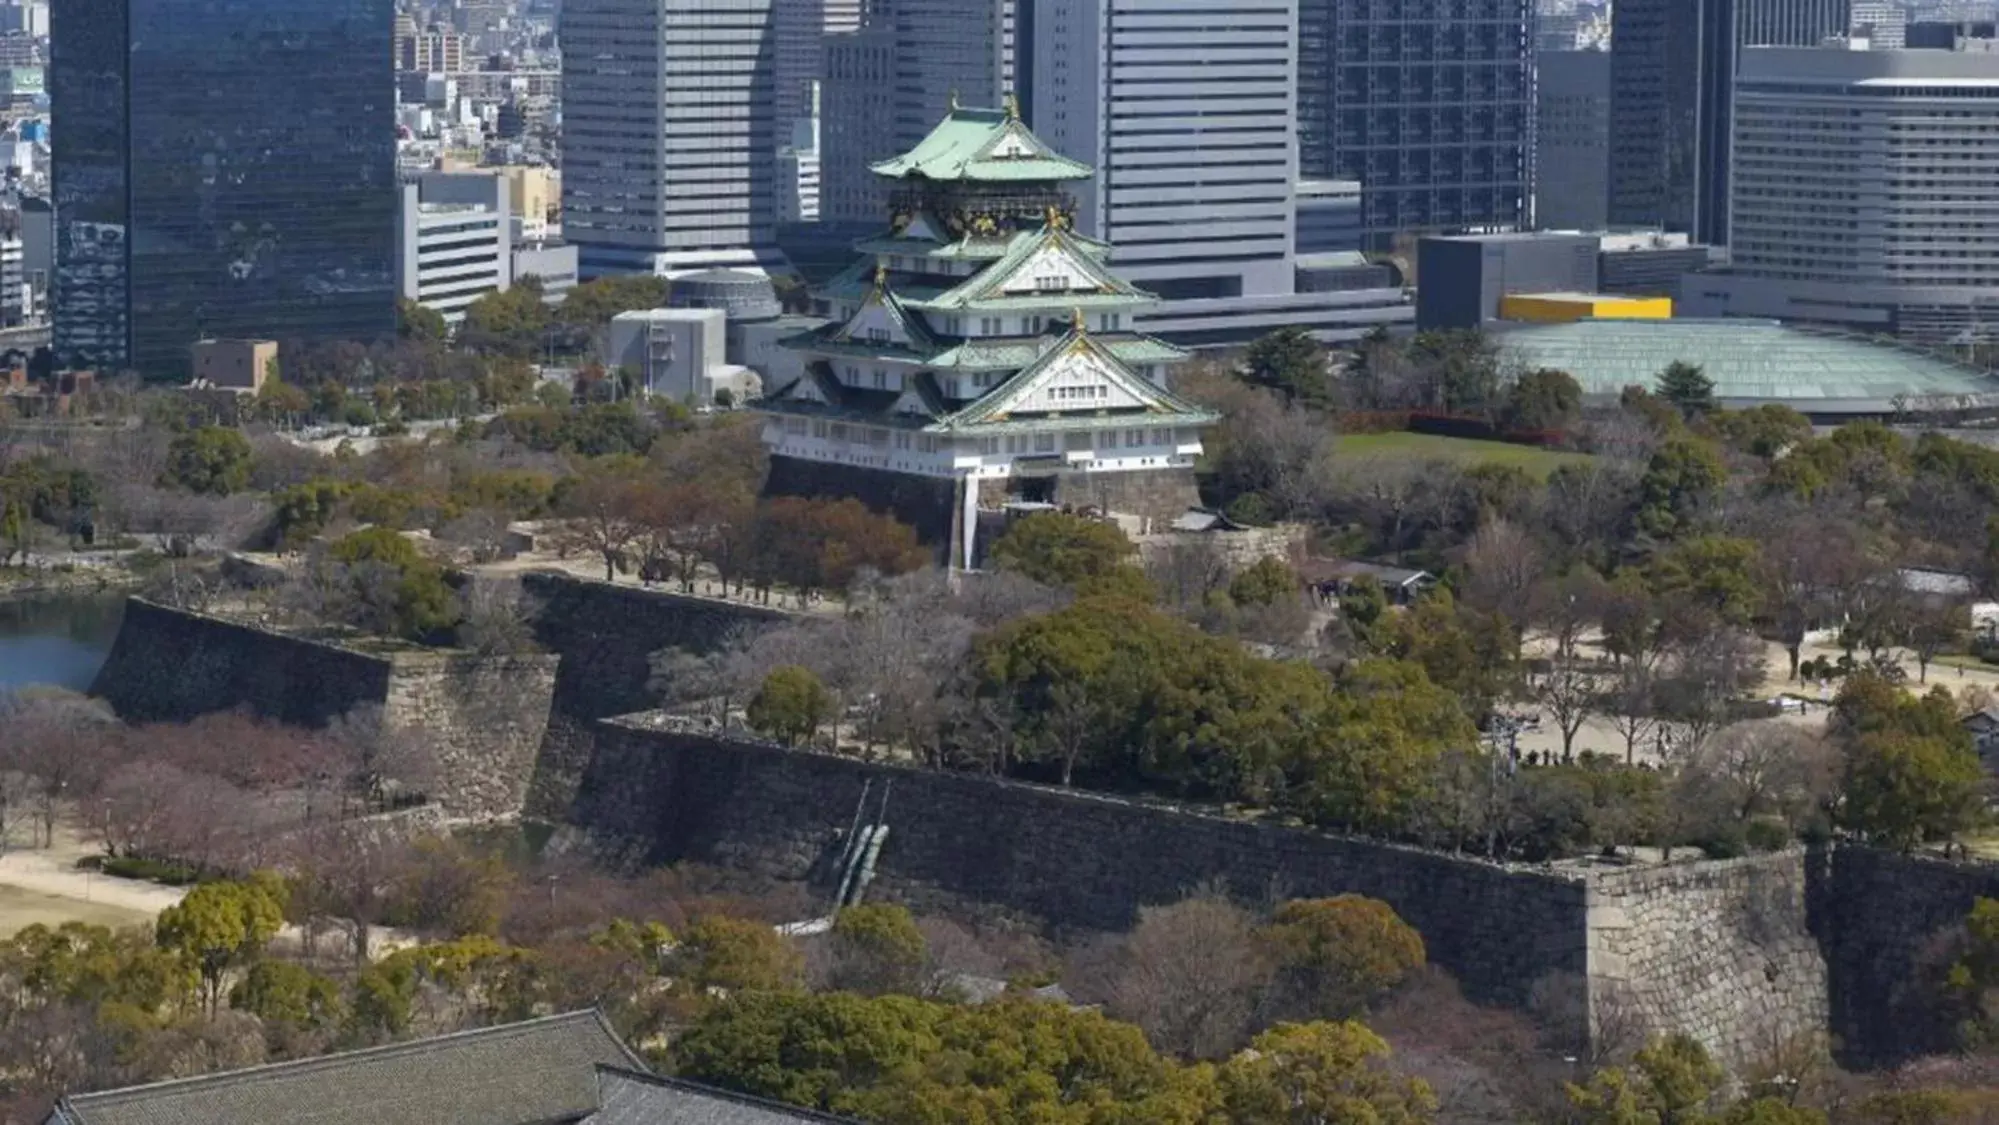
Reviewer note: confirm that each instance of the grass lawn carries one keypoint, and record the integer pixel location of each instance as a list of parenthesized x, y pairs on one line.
[(1431, 447), (21, 908)]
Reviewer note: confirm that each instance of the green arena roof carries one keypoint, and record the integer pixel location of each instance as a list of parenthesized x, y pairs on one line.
[(1751, 362)]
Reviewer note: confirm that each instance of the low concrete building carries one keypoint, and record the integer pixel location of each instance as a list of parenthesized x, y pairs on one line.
[(553, 264), (1461, 279), (236, 365), (1648, 263), (681, 354)]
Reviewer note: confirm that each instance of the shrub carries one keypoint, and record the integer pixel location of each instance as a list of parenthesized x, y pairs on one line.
[(1340, 954), (791, 705)]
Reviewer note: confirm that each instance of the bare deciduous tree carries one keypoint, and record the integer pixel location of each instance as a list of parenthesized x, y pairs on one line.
[(1771, 767), (1192, 975), (1504, 566), (498, 617), (1571, 694)]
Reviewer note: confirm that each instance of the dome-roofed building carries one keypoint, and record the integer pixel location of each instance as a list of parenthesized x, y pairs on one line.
[(741, 294), (982, 351), (1825, 374)]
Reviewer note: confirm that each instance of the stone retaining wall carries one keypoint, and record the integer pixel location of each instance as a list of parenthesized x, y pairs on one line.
[(1723, 950), (486, 716), (604, 636)]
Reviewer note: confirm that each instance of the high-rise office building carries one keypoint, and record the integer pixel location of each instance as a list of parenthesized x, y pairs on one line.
[(1672, 70), (943, 48), (1433, 113), (1187, 109), (222, 168), (669, 134), (856, 123), (891, 75), (798, 27), (1572, 140), (1197, 201), (1862, 194)]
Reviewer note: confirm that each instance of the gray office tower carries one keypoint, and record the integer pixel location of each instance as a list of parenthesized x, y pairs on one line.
[(669, 134), (1572, 141), (1671, 80), (1186, 108), (1430, 106), (1197, 202), (890, 77), (222, 168)]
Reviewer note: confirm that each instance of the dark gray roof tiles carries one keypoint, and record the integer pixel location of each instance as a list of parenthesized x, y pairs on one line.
[(539, 1072), (631, 1098)]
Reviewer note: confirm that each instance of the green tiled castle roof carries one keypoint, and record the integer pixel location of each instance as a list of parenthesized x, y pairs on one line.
[(988, 145)]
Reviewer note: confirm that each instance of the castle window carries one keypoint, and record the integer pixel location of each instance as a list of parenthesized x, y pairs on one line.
[(839, 431), (794, 426), (1044, 443), (1134, 438), (902, 441), (881, 379), (989, 445), (1051, 283), (877, 334), (818, 429)]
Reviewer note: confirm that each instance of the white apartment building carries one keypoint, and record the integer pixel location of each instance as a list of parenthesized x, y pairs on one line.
[(1862, 193), (669, 129), (452, 248)]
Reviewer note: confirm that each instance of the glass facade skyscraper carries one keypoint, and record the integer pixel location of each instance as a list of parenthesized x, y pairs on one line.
[(222, 168), (1428, 103), (1672, 74)]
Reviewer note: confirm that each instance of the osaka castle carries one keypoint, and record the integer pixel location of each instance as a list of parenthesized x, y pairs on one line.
[(982, 351)]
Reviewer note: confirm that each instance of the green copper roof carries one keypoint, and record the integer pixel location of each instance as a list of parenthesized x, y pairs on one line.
[(978, 353), (998, 406), (987, 288), (991, 145)]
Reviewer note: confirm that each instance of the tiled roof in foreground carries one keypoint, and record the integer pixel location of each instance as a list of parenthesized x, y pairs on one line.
[(540, 1072), (631, 1098)]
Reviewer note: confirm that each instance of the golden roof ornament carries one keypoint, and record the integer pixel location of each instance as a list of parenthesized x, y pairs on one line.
[(1012, 106), (1056, 219), (954, 99), (881, 276), (1077, 321)]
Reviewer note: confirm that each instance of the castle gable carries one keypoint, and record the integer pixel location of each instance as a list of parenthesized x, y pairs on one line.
[(1054, 268)]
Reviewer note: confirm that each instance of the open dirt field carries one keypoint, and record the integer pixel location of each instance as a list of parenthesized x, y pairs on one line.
[(43, 885)]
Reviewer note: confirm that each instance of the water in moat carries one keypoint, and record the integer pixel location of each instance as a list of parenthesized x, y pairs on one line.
[(58, 640)]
